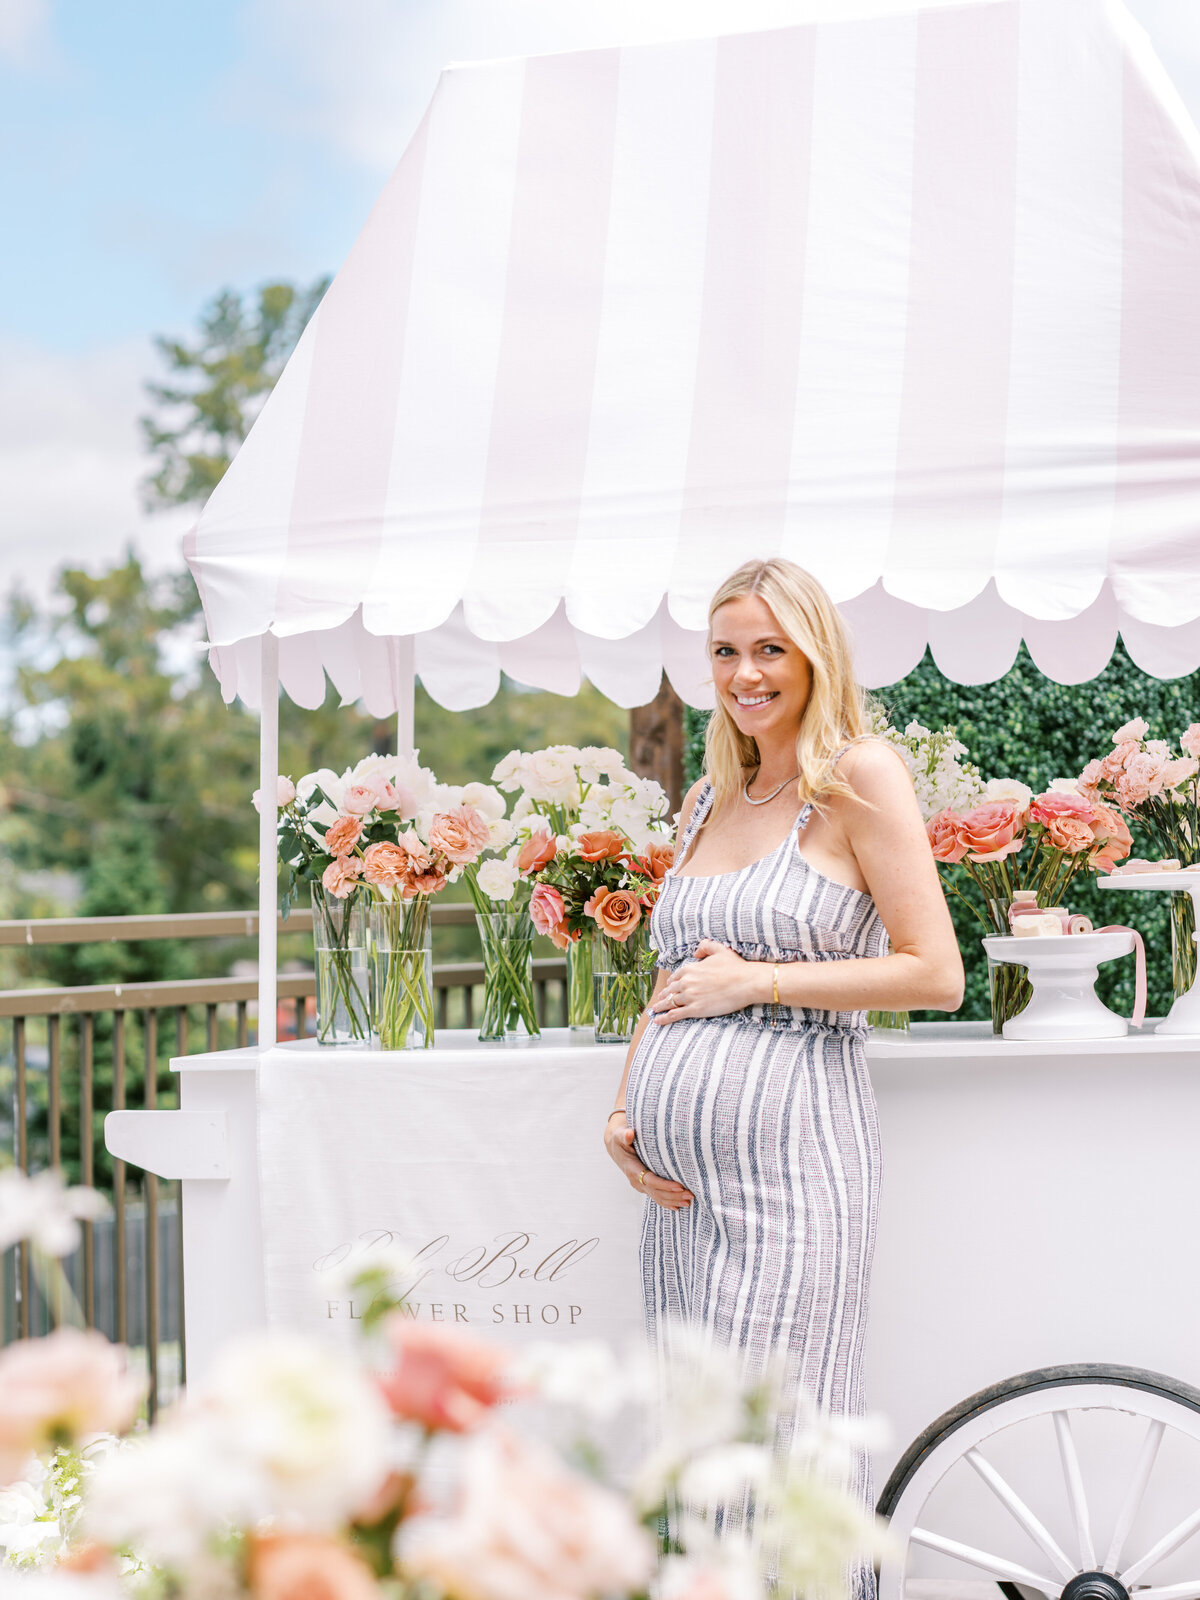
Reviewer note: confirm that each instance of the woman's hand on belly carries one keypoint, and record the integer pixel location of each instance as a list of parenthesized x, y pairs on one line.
[(618, 1141), (717, 982)]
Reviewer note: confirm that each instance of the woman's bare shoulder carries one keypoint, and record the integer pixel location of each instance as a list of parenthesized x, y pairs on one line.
[(874, 769)]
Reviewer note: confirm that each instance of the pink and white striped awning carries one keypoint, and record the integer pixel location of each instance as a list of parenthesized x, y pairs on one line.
[(913, 300)]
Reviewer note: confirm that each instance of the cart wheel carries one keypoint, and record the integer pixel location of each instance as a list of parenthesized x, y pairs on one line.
[(1081, 1482)]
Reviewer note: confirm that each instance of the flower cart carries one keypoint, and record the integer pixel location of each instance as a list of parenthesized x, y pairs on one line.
[(926, 322)]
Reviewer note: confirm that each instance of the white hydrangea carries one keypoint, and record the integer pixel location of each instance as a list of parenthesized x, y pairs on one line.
[(498, 879)]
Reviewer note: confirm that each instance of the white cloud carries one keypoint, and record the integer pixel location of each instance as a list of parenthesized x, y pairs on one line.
[(24, 31), (71, 461)]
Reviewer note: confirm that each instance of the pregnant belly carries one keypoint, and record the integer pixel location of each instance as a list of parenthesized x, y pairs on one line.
[(674, 1074)]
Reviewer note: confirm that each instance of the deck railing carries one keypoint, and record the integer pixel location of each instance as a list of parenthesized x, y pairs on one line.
[(81, 1051)]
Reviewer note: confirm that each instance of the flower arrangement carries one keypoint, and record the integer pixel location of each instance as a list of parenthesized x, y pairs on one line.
[(941, 779), (297, 1469)]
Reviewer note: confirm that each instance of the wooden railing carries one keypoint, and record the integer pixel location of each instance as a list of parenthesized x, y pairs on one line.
[(79, 1052)]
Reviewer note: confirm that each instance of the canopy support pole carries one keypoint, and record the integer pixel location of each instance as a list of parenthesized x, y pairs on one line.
[(268, 869), (406, 688)]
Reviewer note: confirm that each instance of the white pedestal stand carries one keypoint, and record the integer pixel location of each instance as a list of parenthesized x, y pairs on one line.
[(1062, 973), (1184, 1015)]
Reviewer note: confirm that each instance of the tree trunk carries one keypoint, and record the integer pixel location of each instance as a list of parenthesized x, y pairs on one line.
[(656, 741)]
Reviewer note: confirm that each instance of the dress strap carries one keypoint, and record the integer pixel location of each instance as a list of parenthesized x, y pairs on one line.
[(704, 802)]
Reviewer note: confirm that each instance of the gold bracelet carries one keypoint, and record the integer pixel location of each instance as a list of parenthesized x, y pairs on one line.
[(775, 984)]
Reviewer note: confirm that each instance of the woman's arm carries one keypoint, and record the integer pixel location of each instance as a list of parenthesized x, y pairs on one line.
[(924, 968)]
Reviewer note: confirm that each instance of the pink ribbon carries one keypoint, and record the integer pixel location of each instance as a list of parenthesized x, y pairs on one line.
[(1139, 977)]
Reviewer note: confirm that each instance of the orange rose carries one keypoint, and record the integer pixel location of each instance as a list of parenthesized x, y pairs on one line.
[(604, 845), (442, 1378), (343, 835), (459, 835), (616, 911), (1113, 837), (991, 832), (386, 864), (654, 863), (307, 1566), (537, 852)]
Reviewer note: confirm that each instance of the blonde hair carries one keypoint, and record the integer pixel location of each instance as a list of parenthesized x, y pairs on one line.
[(836, 712)]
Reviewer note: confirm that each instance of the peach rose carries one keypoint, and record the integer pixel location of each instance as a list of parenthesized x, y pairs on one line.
[(343, 835), (441, 1377), (991, 831), (1190, 739), (1069, 834), (58, 1390), (386, 864), (943, 838), (654, 864), (359, 799), (307, 1566), (1112, 837), (604, 845), (537, 852), (460, 834), (341, 877), (616, 911), (548, 913)]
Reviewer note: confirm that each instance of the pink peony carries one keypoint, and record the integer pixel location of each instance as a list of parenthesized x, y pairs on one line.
[(549, 914), (1190, 739), (460, 834), (1113, 837), (943, 839), (359, 799), (342, 835), (441, 1377), (59, 1389), (341, 877), (1134, 730), (991, 832)]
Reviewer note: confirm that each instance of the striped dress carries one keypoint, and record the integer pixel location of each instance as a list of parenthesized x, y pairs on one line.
[(768, 1117)]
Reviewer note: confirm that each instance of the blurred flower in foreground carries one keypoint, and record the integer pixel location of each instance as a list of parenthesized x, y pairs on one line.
[(43, 1210)]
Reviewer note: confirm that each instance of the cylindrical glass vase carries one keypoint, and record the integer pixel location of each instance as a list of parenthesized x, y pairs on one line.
[(1009, 990), (1183, 943), (402, 1016), (579, 985), (509, 1012), (622, 980), (340, 961)]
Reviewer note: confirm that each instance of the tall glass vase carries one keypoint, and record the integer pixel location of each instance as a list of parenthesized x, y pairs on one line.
[(622, 979), (340, 960), (402, 1015), (579, 984), (509, 1012), (1009, 990), (1183, 943)]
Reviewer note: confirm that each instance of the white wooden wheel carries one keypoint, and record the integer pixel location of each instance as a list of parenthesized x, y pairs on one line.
[(1081, 1482)]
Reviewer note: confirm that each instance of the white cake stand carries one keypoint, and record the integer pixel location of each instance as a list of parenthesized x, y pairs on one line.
[(1184, 1015), (1062, 974)]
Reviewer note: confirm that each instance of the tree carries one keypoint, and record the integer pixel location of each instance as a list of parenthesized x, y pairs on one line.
[(220, 384)]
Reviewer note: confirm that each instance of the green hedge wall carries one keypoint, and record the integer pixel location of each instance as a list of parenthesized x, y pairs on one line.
[(1025, 726)]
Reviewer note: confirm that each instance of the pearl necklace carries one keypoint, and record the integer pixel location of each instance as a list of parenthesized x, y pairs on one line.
[(750, 799)]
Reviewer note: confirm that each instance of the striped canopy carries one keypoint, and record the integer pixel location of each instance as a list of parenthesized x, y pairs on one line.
[(912, 300)]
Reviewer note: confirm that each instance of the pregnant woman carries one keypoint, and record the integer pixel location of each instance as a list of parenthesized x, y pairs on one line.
[(745, 1115)]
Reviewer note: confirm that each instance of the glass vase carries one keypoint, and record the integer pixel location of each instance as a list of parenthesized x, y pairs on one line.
[(340, 961), (896, 1021), (580, 998), (622, 979), (1183, 943), (509, 1012), (402, 1015), (1009, 989)]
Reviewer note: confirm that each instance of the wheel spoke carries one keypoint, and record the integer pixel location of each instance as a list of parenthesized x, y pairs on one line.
[(1169, 1542), (1172, 1591), (1075, 1492), (1012, 1501), (998, 1566), (1135, 1495)]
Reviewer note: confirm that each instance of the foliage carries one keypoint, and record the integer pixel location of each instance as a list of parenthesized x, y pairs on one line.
[(218, 386), (1028, 727)]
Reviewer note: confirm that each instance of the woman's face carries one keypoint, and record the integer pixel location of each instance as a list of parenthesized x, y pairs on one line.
[(761, 676)]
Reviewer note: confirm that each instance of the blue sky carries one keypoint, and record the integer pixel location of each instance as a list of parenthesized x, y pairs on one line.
[(155, 151)]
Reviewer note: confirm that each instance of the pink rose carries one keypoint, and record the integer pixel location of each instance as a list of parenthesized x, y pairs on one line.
[(385, 792), (386, 864), (943, 839), (1135, 730), (549, 914), (1113, 838), (59, 1389), (441, 1377), (1059, 803), (285, 793), (307, 1566), (459, 834), (343, 835), (991, 832), (341, 877), (1190, 739), (359, 799)]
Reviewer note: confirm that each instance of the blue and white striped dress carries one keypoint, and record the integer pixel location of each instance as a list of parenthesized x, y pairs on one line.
[(768, 1117)]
